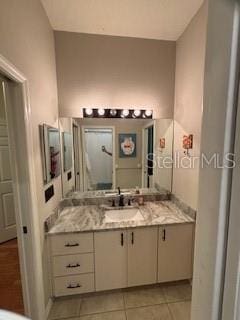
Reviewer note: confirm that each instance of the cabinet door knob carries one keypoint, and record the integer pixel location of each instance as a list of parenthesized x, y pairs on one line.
[(122, 241), (164, 235)]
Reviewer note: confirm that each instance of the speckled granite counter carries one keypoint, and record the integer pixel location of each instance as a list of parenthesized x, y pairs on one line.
[(91, 218)]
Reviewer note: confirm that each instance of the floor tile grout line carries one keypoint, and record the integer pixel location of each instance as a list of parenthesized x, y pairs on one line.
[(170, 312), (124, 303), (80, 306), (101, 312)]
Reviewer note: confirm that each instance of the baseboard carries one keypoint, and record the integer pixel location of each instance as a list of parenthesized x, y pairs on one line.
[(48, 307)]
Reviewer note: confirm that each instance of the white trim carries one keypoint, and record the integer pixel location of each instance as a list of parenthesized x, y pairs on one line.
[(113, 153), (30, 262), (152, 123)]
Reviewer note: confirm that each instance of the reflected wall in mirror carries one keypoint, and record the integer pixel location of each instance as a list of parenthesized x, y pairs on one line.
[(51, 155), (125, 153), (67, 150)]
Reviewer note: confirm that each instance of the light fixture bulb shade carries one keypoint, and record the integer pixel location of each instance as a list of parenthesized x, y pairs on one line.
[(89, 111), (137, 113), (101, 112), (113, 112), (125, 112), (148, 113)]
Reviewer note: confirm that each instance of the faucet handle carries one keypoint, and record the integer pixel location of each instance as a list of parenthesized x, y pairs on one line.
[(112, 201), (119, 191)]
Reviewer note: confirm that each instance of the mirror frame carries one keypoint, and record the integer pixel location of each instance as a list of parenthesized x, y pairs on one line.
[(45, 154)]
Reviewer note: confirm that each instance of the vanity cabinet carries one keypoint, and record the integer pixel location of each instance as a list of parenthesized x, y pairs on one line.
[(72, 258), (106, 260), (110, 259), (126, 258), (175, 252), (142, 256)]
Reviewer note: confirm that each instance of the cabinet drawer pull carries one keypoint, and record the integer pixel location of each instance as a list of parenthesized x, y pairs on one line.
[(122, 242), (74, 287), (132, 237), (72, 245), (164, 235), (73, 265)]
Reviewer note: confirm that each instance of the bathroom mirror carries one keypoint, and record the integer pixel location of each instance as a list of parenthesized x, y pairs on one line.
[(51, 155), (125, 153), (67, 150)]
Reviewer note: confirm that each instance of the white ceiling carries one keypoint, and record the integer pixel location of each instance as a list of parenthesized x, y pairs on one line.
[(152, 19)]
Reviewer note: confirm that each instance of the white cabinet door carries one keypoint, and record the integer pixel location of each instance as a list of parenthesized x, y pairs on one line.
[(110, 259), (175, 249), (142, 256)]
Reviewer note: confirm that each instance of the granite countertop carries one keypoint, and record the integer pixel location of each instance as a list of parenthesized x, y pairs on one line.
[(91, 218), (111, 193)]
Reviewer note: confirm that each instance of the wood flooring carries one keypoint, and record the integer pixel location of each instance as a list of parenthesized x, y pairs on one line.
[(10, 280)]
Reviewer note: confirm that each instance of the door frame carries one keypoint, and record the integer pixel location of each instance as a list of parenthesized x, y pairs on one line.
[(113, 155), (25, 196), (152, 123)]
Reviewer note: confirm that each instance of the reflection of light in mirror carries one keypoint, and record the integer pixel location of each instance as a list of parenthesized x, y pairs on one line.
[(137, 113), (89, 111), (101, 112), (125, 113), (148, 113)]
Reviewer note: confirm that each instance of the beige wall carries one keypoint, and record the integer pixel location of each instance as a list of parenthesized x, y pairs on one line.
[(190, 58), (26, 40), (107, 71)]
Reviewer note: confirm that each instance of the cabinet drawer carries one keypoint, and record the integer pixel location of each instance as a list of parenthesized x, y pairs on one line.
[(74, 284), (72, 243), (73, 264)]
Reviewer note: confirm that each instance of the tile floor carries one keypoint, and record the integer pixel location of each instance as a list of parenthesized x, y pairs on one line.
[(163, 302)]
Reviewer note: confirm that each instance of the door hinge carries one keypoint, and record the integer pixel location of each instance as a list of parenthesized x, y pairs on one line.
[(25, 230)]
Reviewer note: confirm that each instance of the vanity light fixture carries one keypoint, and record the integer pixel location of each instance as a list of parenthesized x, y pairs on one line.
[(117, 113), (113, 112), (137, 113), (148, 113), (125, 113), (101, 112), (89, 111)]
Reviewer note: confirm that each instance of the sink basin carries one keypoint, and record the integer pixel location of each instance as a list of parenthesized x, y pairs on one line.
[(121, 215)]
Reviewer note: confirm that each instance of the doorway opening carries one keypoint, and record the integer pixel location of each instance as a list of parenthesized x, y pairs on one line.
[(10, 282)]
